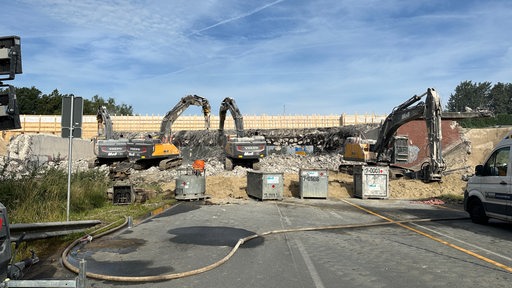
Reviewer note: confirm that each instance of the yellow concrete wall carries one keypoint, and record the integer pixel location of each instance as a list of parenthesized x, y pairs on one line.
[(51, 124)]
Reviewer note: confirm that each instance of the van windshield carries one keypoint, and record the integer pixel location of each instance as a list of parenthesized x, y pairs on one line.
[(497, 163)]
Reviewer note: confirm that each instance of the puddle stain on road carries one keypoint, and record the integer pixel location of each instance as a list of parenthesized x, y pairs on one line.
[(213, 236)]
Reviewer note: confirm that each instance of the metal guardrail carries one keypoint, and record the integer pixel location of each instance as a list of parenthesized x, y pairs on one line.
[(35, 231)]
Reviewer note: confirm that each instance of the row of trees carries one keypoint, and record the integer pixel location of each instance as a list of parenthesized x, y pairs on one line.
[(31, 101), (496, 98)]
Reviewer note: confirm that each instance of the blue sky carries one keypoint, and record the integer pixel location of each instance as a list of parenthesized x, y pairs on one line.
[(273, 57)]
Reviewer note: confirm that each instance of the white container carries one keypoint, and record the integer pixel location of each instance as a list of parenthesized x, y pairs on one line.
[(265, 185), (313, 183), (371, 182)]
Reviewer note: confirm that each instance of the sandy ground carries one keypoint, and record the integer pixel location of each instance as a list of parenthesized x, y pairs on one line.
[(223, 189)]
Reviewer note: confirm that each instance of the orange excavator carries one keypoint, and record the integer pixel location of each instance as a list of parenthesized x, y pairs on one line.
[(161, 152)]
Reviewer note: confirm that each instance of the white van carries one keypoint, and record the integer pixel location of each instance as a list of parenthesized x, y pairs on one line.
[(488, 192)]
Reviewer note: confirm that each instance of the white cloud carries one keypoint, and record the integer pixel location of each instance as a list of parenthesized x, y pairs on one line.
[(348, 56)]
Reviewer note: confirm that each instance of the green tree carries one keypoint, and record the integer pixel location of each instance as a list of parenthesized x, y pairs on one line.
[(51, 104), (28, 100), (471, 95), (31, 101), (500, 98), (91, 106)]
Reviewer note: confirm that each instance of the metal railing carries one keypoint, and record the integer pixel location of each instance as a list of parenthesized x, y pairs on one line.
[(34, 231)]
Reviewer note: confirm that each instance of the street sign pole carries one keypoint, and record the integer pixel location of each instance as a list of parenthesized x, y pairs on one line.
[(71, 123), (70, 156)]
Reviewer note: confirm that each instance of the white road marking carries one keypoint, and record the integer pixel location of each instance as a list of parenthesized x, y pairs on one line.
[(309, 264), (305, 256), (464, 242)]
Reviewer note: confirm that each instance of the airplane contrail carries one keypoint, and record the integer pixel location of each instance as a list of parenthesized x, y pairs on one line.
[(238, 17)]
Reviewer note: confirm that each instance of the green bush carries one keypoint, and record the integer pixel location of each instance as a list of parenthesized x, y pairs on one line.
[(498, 120)]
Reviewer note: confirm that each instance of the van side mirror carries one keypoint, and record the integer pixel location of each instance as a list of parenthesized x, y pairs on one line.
[(479, 170)]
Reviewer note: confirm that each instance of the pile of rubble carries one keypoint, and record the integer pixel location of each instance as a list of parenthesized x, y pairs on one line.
[(19, 158), (324, 140)]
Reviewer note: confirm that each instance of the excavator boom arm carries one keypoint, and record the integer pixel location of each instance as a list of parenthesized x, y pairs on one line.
[(400, 115), (229, 104), (182, 105), (433, 118), (105, 126), (430, 110)]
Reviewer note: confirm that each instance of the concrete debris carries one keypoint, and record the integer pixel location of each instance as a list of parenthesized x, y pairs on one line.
[(20, 147), (27, 153)]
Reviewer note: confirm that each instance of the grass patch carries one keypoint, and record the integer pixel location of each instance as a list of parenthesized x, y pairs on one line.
[(41, 196)]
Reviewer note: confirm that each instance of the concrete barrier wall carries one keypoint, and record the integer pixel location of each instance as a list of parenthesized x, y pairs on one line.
[(43, 148), (58, 148)]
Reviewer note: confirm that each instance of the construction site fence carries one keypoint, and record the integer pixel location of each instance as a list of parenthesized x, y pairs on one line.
[(51, 124)]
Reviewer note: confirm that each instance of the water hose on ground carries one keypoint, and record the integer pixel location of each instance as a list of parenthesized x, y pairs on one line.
[(241, 241)]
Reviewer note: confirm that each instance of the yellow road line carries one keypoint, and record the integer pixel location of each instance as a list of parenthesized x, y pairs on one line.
[(476, 255)]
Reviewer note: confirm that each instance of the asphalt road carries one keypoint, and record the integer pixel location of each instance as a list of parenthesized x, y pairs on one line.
[(448, 252)]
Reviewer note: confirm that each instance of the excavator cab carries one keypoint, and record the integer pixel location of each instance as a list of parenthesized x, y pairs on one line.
[(358, 149)]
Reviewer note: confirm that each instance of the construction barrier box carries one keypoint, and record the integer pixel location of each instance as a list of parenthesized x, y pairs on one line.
[(123, 193), (265, 185), (371, 182), (190, 184), (313, 183)]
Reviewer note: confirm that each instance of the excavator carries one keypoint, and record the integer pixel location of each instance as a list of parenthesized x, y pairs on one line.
[(144, 153), (239, 149), (106, 148), (385, 150)]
